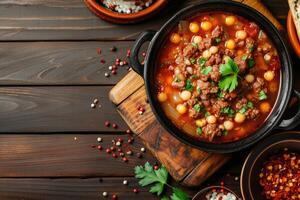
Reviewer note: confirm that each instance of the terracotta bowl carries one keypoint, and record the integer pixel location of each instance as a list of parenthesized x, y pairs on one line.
[(292, 33), (122, 18)]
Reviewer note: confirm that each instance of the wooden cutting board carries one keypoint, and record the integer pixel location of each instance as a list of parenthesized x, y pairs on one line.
[(188, 165)]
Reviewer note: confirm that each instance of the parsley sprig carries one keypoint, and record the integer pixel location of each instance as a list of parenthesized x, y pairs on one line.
[(229, 72), (158, 180)]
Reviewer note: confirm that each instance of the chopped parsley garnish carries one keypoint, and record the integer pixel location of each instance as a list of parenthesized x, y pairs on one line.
[(195, 45), (220, 94), (229, 111), (176, 79), (246, 107), (250, 62), (201, 61), (198, 108), (251, 49), (188, 85), (207, 114), (199, 90), (262, 95), (218, 40), (194, 76), (229, 72), (199, 131), (249, 104), (244, 57), (193, 60), (206, 70)]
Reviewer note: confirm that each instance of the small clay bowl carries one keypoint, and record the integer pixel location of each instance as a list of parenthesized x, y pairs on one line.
[(201, 194), (292, 33), (249, 182), (122, 18)]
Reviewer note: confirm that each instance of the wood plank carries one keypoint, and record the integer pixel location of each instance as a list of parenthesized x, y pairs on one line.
[(61, 189), (60, 63), (71, 20), (56, 109), (61, 156)]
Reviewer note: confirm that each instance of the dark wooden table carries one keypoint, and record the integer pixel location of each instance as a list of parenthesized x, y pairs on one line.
[(50, 73)]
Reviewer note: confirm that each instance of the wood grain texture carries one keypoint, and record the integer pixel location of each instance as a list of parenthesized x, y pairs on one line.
[(62, 156), (56, 109), (71, 20), (60, 63)]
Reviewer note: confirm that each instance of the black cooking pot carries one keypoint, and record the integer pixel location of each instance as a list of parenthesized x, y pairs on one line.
[(148, 71)]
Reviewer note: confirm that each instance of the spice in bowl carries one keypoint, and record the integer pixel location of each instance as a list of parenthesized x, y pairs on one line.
[(280, 176), (127, 6), (215, 193)]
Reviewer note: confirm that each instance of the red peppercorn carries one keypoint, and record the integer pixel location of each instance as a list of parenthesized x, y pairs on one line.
[(125, 159), (135, 190), (120, 139), (155, 167), (112, 148), (114, 72), (128, 131), (115, 125), (108, 151), (222, 183), (99, 51), (129, 141), (122, 154), (102, 61), (114, 155), (114, 67), (113, 49), (128, 53), (119, 150), (144, 54), (114, 197), (118, 60), (107, 123), (125, 62), (99, 147)]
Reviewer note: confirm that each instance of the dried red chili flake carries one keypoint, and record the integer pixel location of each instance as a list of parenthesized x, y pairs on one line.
[(102, 61), (280, 176), (115, 125), (98, 51), (107, 123)]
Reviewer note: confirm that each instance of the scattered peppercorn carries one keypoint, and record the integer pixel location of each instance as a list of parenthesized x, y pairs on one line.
[(125, 159), (139, 155), (107, 123), (135, 190), (113, 49), (114, 197), (115, 125), (108, 151), (106, 74), (99, 147), (102, 61)]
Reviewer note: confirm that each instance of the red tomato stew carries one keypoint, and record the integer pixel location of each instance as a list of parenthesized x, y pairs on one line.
[(217, 77)]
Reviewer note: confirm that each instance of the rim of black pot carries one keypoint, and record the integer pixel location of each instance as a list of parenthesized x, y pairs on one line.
[(286, 79)]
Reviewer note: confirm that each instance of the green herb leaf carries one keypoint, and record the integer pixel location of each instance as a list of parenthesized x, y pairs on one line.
[(157, 188), (249, 104), (224, 132), (194, 76), (201, 61), (229, 111), (198, 108), (262, 95), (244, 57), (193, 60), (165, 198), (206, 70), (188, 85), (199, 90), (179, 195), (199, 131), (243, 110), (229, 72), (207, 114), (195, 45), (250, 62), (218, 40), (251, 49)]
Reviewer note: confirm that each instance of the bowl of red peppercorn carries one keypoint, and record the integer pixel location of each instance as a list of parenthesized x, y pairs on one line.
[(272, 169)]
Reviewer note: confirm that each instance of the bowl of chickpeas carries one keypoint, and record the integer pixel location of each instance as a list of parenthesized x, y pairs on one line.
[(218, 76)]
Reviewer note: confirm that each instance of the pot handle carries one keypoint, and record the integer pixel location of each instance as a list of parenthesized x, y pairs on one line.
[(134, 55), (288, 124)]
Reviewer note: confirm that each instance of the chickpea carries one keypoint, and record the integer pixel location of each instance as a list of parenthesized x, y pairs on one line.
[(230, 20), (269, 75), (241, 34), (265, 107), (228, 125), (206, 54), (194, 27), (206, 25), (267, 57), (211, 119), (230, 44), (162, 97), (175, 38), (239, 118), (197, 39), (249, 78), (213, 49), (181, 109), (201, 122), (185, 95)]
